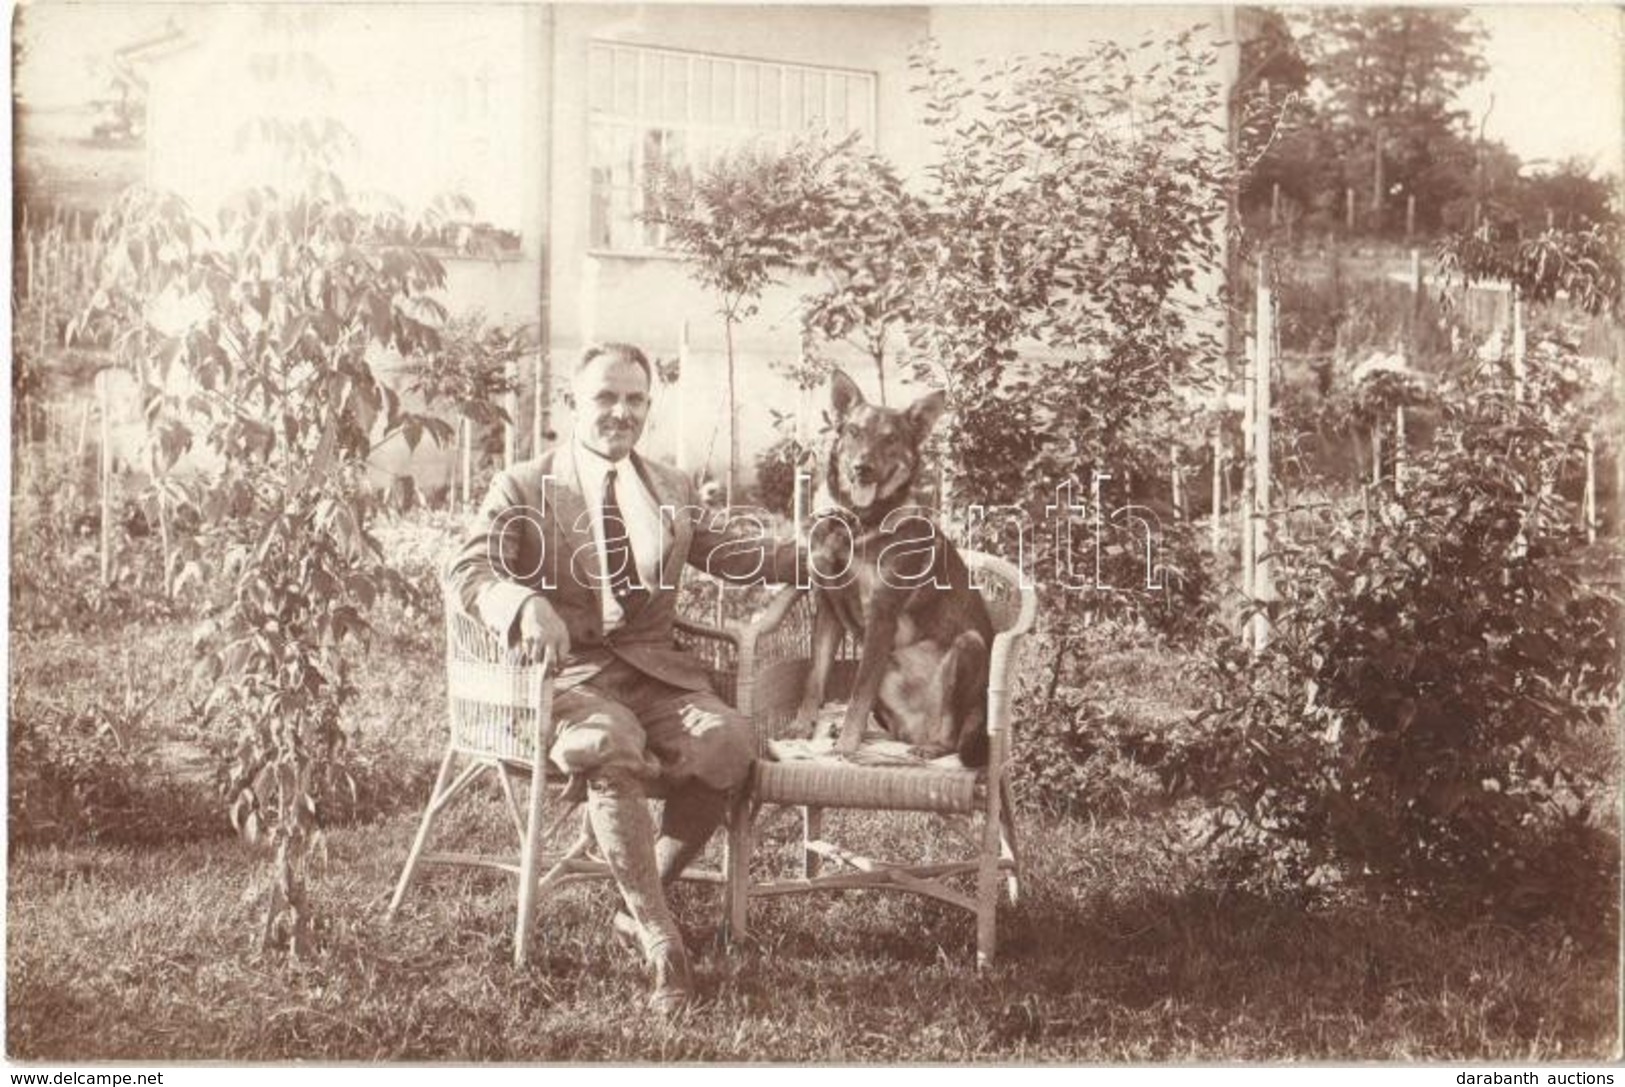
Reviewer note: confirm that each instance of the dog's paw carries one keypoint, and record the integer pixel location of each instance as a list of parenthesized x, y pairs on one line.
[(848, 743), (928, 752)]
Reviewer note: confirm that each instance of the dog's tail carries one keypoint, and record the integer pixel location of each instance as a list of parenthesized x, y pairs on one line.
[(973, 745), (970, 698)]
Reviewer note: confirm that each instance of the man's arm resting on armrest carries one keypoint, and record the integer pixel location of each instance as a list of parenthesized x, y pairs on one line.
[(479, 577), (754, 562)]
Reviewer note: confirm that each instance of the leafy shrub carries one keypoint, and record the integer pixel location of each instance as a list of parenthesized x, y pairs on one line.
[(55, 538), (1074, 758), (68, 778), (1426, 715), (1170, 591), (86, 767), (776, 468)]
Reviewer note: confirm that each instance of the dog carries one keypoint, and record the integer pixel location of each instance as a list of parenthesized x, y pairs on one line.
[(883, 572)]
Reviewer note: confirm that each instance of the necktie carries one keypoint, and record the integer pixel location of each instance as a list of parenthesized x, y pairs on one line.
[(619, 564)]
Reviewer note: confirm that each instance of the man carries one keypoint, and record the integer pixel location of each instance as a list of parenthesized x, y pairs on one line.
[(579, 551)]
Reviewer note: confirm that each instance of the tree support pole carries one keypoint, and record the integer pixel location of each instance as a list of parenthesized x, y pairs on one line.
[(1263, 586)]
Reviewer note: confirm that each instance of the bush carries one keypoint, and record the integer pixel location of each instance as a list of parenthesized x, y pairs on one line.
[(1180, 600), (68, 778), (56, 566), (1075, 758), (1427, 713), (776, 475)]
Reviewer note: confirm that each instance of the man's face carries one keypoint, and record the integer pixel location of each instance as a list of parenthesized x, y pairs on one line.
[(612, 403)]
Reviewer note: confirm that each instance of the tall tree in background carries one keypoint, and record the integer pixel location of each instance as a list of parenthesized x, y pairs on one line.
[(1387, 80), (1281, 137)]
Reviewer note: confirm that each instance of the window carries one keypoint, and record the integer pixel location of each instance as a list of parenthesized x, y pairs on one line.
[(649, 106)]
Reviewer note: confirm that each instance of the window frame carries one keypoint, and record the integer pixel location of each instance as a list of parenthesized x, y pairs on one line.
[(625, 108)]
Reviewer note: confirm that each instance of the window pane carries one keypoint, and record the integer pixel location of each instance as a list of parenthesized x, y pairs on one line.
[(701, 106), (651, 108), (772, 92), (840, 121), (600, 79), (676, 96), (648, 84), (626, 82), (794, 117), (861, 102), (598, 208), (750, 89), (623, 161), (722, 97), (817, 87)]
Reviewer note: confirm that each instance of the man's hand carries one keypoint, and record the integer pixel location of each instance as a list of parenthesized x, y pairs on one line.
[(540, 630)]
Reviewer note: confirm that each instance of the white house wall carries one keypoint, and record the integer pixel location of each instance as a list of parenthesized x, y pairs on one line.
[(527, 126)]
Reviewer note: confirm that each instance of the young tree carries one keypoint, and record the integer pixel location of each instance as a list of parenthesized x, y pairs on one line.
[(860, 238), (255, 339), (1387, 79), (735, 221), (1075, 213)]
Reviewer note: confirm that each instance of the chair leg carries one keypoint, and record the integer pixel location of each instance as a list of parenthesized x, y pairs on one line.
[(1010, 846), (987, 890), (409, 871), (812, 829), (530, 859), (737, 893)]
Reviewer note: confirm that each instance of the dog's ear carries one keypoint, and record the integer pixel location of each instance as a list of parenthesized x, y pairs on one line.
[(923, 414), (844, 394)]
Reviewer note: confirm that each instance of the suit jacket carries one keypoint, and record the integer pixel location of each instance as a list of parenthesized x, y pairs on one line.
[(533, 537)]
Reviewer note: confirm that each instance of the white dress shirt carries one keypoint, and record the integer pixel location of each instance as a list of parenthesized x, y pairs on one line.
[(639, 510)]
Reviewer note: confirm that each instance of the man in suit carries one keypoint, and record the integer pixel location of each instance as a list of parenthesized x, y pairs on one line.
[(580, 551)]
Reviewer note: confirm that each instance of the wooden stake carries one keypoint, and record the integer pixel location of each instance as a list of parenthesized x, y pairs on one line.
[(1590, 504), (1410, 216), (1215, 526), (679, 395), (1399, 449), (1520, 373), (1173, 476), (1249, 444), (1348, 208), (510, 428), (732, 477), (104, 394), (538, 421), (1263, 585), (42, 309), (468, 464), (798, 502)]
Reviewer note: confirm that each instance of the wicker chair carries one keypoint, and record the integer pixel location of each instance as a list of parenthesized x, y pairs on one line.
[(775, 657), (501, 723)]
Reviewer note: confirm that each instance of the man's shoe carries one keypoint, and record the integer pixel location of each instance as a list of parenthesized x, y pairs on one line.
[(628, 933), (674, 986), (630, 936)]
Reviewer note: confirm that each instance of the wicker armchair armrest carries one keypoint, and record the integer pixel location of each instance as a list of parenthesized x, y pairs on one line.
[(695, 631), (774, 654), (719, 650)]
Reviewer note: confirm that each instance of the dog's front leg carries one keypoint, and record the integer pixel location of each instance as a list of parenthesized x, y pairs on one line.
[(826, 638), (879, 635)]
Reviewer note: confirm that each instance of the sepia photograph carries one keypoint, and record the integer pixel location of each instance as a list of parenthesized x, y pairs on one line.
[(672, 533)]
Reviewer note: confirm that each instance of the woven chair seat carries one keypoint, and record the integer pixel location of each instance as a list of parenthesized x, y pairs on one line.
[(836, 783), (798, 768)]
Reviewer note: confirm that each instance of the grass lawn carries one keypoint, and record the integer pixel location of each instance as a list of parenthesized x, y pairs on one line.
[(1121, 952), (1126, 946)]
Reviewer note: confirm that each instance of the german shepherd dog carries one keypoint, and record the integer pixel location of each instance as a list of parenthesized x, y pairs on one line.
[(883, 572)]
